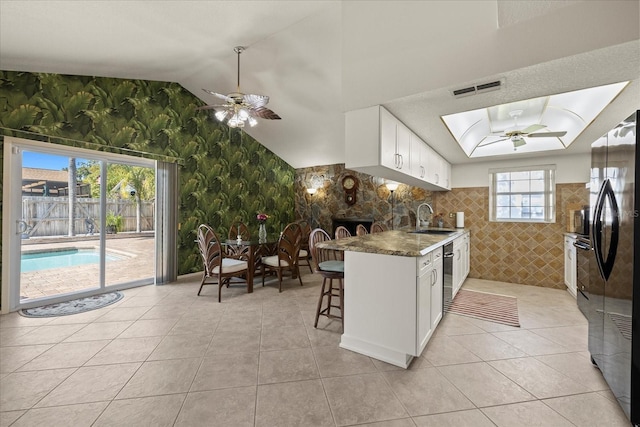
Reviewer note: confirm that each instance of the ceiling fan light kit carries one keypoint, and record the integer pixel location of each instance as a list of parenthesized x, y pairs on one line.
[(240, 109)]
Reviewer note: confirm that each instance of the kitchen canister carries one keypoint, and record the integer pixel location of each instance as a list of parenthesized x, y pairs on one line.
[(459, 219)]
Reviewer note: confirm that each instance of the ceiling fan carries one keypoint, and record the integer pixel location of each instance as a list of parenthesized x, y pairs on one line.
[(240, 108), (517, 136)]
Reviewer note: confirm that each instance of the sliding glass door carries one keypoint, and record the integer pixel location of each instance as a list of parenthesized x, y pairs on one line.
[(80, 222)]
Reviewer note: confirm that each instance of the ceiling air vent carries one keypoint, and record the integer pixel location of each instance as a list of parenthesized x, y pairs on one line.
[(466, 91), (479, 88)]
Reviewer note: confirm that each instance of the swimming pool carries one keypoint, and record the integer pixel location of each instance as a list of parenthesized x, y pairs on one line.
[(35, 261)]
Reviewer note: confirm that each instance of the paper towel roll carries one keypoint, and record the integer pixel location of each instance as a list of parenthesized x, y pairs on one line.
[(459, 219)]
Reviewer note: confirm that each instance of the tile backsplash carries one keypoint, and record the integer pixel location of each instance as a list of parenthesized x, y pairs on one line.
[(529, 254)]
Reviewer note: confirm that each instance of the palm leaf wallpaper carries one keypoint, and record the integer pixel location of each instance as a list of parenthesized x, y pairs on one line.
[(226, 175)]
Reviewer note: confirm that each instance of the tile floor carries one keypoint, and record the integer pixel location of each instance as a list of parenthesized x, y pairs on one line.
[(164, 357)]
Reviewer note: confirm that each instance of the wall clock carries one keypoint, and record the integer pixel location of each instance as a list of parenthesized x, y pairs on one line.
[(350, 187)]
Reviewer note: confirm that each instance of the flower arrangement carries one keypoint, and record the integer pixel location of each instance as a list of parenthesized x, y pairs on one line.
[(262, 218)]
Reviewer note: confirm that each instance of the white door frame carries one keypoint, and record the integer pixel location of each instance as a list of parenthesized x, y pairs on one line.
[(12, 212)]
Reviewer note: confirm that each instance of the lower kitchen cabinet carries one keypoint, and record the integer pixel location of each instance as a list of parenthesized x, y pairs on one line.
[(423, 300), (392, 304), (570, 264), (461, 261), (436, 288), (429, 296)]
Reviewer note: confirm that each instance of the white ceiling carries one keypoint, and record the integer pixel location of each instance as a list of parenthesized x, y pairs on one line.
[(318, 59)]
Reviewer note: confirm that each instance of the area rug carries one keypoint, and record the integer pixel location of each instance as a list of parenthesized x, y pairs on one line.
[(75, 306), (481, 305)]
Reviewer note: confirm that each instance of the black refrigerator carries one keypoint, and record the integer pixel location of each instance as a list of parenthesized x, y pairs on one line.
[(613, 314)]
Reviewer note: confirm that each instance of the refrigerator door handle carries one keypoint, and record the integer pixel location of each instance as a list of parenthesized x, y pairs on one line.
[(606, 265)]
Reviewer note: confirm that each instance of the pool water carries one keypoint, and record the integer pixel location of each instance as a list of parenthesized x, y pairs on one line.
[(58, 259)]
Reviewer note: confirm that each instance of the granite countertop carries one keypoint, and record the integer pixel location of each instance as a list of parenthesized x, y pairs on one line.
[(394, 242)]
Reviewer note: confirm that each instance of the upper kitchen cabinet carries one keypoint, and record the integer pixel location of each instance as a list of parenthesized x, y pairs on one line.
[(439, 170), (395, 140), (379, 144)]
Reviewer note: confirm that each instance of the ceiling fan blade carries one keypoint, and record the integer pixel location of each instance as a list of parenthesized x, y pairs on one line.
[(212, 107), (256, 101), (532, 128), (547, 134), (219, 95), (206, 107), (492, 142), (265, 113)]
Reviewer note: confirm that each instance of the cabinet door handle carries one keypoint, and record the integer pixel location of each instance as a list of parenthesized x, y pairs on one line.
[(437, 178), (401, 161)]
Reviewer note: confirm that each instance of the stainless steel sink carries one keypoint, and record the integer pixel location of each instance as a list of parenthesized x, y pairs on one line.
[(432, 231)]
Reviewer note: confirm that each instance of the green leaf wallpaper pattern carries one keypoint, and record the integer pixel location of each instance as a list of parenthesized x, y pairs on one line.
[(227, 176)]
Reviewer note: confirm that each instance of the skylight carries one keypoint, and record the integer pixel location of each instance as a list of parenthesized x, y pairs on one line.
[(539, 124)]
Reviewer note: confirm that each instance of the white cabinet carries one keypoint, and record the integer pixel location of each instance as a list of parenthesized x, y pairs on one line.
[(423, 301), (445, 171), (378, 144), (419, 158), (392, 304), (570, 264), (466, 255), (429, 296), (461, 262), (395, 143), (438, 170), (436, 288)]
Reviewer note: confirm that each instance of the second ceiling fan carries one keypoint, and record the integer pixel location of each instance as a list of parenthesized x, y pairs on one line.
[(517, 136), (240, 108)]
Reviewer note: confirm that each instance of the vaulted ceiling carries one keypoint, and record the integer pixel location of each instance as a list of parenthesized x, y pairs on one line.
[(318, 59)]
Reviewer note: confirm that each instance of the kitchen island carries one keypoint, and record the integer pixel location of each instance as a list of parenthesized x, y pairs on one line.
[(392, 292)]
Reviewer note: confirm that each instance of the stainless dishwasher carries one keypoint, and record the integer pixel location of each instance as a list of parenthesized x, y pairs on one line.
[(584, 253), (447, 277)]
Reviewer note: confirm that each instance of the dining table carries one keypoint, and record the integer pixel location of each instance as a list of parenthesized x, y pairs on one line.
[(251, 251)]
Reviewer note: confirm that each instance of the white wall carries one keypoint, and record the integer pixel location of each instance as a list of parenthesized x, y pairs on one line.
[(569, 169)]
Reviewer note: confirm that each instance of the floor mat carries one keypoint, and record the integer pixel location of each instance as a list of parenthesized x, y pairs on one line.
[(492, 307), (75, 306)]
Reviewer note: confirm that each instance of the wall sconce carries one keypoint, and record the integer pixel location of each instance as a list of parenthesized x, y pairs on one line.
[(392, 186), (312, 191)]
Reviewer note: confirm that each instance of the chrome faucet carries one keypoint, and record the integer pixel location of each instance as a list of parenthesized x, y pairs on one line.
[(418, 213)]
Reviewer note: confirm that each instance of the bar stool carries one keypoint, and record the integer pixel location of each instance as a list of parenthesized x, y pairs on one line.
[(378, 227), (342, 232), (326, 264)]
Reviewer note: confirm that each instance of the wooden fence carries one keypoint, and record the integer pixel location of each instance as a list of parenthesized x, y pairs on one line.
[(49, 216)]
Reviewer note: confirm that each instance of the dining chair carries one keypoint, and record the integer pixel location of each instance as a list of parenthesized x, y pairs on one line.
[(286, 257), (304, 256), (238, 229), (327, 263), (217, 265), (378, 227), (342, 232), (361, 230)]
